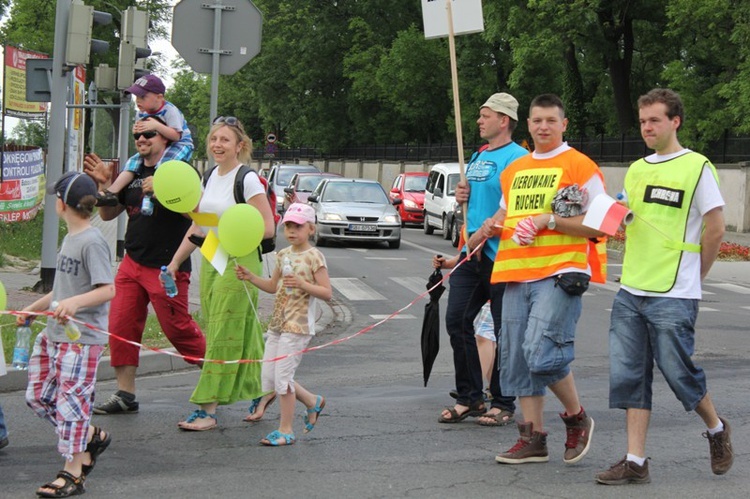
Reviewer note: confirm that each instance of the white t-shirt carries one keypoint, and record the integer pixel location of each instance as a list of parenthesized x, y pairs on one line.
[(218, 196), (707, 197)]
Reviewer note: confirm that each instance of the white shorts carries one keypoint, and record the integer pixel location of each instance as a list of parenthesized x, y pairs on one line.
[(279, 375), (483, 324)]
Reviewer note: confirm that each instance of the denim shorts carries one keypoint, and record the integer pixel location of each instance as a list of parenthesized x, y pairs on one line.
[(645, 330), (537, 338)]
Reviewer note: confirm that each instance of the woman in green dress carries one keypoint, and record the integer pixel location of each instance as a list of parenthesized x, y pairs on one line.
[(233, 331)]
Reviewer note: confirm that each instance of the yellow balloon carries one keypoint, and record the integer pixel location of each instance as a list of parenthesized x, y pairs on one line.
[(177, 186), (3, 296), (241, 229)]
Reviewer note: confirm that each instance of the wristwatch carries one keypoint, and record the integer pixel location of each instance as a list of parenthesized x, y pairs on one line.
[(551, 224)]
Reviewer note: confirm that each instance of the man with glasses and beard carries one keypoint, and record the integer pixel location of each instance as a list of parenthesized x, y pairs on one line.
[(150, 243)]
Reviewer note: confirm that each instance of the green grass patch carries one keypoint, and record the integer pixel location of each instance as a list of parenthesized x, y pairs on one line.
[(24, 239)]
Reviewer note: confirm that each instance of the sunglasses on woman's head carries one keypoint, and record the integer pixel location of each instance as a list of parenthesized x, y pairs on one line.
[(146, 135), (227, 120)]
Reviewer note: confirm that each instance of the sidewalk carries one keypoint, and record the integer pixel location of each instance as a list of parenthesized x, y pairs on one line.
[(19, 286)]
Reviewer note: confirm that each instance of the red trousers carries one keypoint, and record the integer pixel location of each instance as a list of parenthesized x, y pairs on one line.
[(135, 287)]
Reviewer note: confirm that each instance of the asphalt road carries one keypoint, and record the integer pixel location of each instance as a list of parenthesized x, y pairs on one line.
[(378, 435)]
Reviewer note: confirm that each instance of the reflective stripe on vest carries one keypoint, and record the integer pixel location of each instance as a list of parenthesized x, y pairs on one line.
[(529, 185)]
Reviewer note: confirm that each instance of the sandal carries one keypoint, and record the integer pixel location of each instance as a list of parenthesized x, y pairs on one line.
[(276, 439), (188, 425), (73, 486), (474, 410), (255, 405), (501, 418), (95, 447), (320, 403)]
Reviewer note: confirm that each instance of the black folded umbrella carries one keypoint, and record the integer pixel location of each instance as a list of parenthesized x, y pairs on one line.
[(431, 324)]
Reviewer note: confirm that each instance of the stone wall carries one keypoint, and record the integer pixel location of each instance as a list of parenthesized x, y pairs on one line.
[(734, 181)]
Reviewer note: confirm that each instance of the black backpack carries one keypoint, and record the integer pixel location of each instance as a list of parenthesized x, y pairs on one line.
[(266, 245)]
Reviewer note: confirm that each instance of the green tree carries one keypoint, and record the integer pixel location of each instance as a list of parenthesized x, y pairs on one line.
[(30, 133), (708, 72)]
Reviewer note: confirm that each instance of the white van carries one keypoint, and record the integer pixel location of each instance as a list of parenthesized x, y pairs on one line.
[(440, 198)]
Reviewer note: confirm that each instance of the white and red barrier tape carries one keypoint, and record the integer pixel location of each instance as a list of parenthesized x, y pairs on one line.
[(250, 361)]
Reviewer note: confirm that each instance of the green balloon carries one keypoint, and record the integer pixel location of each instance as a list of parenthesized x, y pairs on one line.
[(3, 296), (177, 186), (241, 229)]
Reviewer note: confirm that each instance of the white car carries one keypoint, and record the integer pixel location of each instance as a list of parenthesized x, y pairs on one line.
[(440, 198)]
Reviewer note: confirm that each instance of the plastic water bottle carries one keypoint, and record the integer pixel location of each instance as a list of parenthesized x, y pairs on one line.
[(169, 285), (287, 270), (147, 205), (21, 350), (71, 328)]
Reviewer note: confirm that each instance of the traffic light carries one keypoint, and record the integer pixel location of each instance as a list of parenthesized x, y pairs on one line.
[(81, 19), (133, 46)]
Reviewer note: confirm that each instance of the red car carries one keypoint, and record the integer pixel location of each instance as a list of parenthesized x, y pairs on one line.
[(409, 187), (301, 185)]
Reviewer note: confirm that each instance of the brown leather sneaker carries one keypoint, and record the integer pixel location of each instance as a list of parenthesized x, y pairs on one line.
[(722, 455), (579, 427), (624, 472), (530, 448)]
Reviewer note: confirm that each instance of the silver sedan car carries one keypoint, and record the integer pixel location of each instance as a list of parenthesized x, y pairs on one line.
[(354, 210)]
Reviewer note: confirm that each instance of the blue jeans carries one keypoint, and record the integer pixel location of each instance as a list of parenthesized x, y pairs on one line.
[(537, 342), (470, 289), (3, 429), (647, 329)]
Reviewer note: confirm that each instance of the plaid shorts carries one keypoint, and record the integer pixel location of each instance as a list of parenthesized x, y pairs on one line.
[(61, 389)]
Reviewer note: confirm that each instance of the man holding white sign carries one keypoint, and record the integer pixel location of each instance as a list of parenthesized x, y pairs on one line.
[(674, 195)]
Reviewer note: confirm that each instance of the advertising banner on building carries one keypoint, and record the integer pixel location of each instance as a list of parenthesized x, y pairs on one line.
[(14, 90), (22, 188)]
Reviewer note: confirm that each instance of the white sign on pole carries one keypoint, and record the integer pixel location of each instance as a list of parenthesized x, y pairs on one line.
[(467, 17)]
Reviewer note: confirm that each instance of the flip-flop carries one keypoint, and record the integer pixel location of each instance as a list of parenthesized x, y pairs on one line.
[(188, 425), (473, 411), (320, 403), (497, 419), (254, 406), (273, 439)]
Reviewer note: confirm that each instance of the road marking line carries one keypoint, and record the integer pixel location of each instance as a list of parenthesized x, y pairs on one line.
[(416, 285), (382, 258), (378, 317), (354, 289), (731, 287), (708, 309), (423, 248)]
